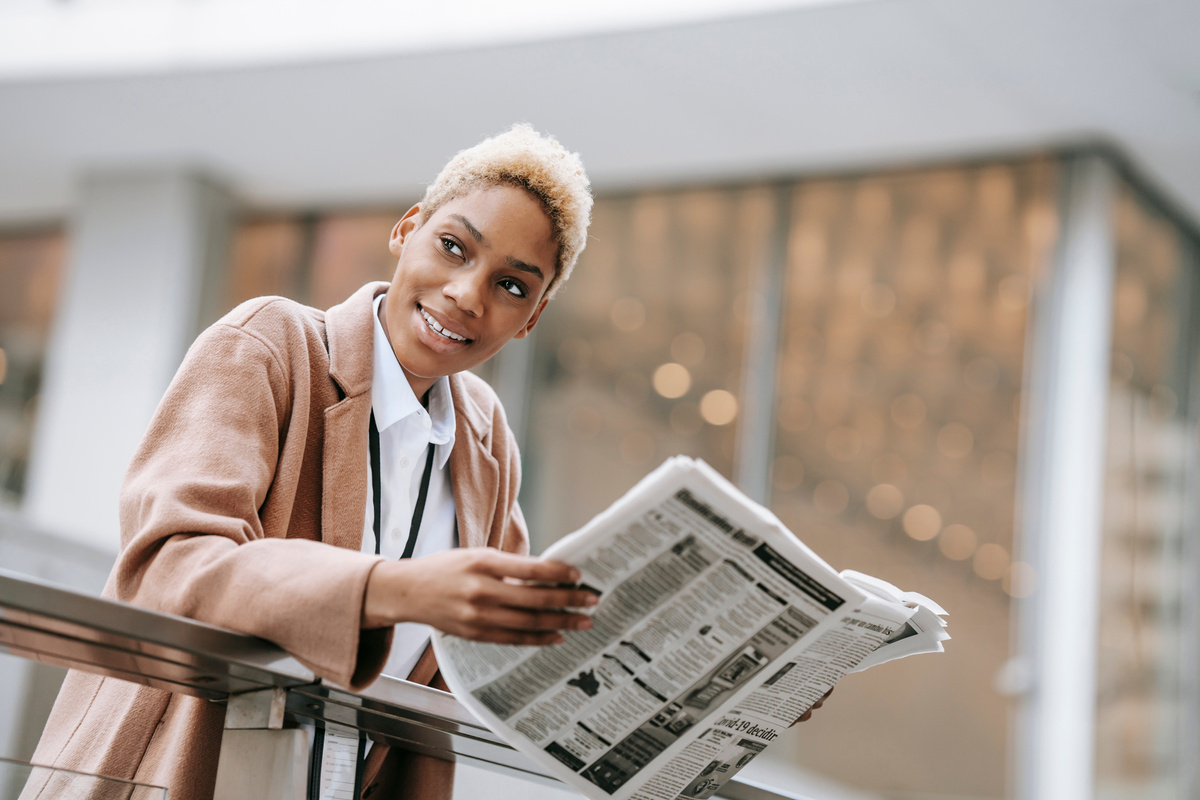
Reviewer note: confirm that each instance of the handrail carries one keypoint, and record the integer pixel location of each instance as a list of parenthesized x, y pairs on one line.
[(46, 623)]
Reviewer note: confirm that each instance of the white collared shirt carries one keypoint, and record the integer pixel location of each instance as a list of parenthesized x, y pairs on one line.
[(405, 430)]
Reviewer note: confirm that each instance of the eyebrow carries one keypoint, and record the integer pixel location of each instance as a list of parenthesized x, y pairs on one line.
[(471, 229), (516, 263)]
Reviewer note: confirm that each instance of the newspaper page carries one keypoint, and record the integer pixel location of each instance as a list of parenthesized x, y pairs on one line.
[(715, 630)]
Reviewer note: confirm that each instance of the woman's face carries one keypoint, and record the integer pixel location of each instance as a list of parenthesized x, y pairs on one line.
[(467, 280)]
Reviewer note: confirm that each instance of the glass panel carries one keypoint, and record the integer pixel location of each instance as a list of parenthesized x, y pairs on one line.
[(1142, 570), (899, 389), (350, 250), (266, 260), (318, 260), (19, 780), (30, 274), (640, 355)]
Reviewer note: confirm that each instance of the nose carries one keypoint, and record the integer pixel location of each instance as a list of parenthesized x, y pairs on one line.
[(466, 289)]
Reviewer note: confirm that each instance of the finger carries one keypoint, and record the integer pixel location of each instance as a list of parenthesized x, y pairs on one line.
[(525, 568), (524, 596), (805, 717), (517, 619)]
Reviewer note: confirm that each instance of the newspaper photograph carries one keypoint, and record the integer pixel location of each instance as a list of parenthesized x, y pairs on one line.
[(716, 628)]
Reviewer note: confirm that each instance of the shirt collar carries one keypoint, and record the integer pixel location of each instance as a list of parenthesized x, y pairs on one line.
[(393, 400)]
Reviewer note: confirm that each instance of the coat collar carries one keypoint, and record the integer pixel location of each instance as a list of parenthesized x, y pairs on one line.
[(350, 332)]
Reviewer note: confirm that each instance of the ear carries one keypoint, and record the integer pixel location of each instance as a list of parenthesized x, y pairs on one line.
[(407, 224), (537, 314)]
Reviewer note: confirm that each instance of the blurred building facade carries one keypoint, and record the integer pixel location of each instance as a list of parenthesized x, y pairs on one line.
[(972, 374)]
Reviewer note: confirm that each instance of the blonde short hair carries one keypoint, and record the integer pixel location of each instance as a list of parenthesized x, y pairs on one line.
[(524, 158)]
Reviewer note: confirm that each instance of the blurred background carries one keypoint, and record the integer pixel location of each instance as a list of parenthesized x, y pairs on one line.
[(919, 275)]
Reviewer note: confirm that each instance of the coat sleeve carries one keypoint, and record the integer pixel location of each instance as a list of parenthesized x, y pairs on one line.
[(193, 543)]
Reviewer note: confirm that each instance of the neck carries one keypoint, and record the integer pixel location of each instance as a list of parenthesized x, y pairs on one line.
[(420, 386)]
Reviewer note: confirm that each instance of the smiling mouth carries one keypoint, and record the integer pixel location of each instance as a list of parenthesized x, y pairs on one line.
[(433, 325)]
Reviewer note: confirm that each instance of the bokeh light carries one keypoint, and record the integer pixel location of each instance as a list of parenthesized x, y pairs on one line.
[(885, 501), (718, 407), (672, 380), (991, 562), (922, 522), (957, 542)]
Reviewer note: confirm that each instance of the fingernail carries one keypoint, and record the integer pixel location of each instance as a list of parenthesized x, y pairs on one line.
[(591, 600), (558, 640), (575, 576), (583, 624)]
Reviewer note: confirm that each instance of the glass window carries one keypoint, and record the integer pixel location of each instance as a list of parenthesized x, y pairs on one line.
[(640, 355), (266, 260), (898, 392), (315, 259), (1143, 572), (348, 251), (899, 388), (31, 266)]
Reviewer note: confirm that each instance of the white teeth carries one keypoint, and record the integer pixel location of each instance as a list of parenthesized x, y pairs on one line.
[(431, 322)]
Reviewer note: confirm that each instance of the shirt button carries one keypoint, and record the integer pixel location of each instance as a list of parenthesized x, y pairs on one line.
[(395, 534), (404, 462)]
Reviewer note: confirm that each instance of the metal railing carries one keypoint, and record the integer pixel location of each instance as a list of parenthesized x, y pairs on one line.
[(49, 624)]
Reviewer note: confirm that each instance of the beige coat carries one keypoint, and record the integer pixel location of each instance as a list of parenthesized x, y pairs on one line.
[(254, 464)]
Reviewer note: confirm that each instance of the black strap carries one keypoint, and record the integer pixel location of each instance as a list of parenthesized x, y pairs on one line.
[(377, 493), (376, 481)]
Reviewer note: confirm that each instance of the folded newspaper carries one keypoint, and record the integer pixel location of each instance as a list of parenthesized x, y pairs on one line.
[(715, 630)]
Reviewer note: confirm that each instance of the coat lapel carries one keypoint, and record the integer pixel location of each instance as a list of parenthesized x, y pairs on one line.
[(350, 331), (474, 471)]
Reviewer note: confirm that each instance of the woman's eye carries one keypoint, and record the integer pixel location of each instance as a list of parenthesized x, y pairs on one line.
[(513, 287), (451, 246)]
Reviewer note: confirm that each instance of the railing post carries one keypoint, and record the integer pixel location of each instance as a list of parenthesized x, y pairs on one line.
[(259, 759)]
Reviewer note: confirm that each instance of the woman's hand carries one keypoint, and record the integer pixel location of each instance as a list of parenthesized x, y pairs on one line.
[(478, 593), (807, 715)]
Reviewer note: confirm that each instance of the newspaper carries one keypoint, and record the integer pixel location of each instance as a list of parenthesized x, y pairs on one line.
[(715, 630)]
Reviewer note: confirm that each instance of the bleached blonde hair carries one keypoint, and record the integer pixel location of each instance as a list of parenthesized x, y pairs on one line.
[(538, 164)]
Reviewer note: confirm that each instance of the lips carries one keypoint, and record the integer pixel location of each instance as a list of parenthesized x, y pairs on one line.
[(441, 330)]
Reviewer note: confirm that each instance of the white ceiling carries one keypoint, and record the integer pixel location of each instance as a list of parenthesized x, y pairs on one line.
[(667, 98), (72, 38)]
